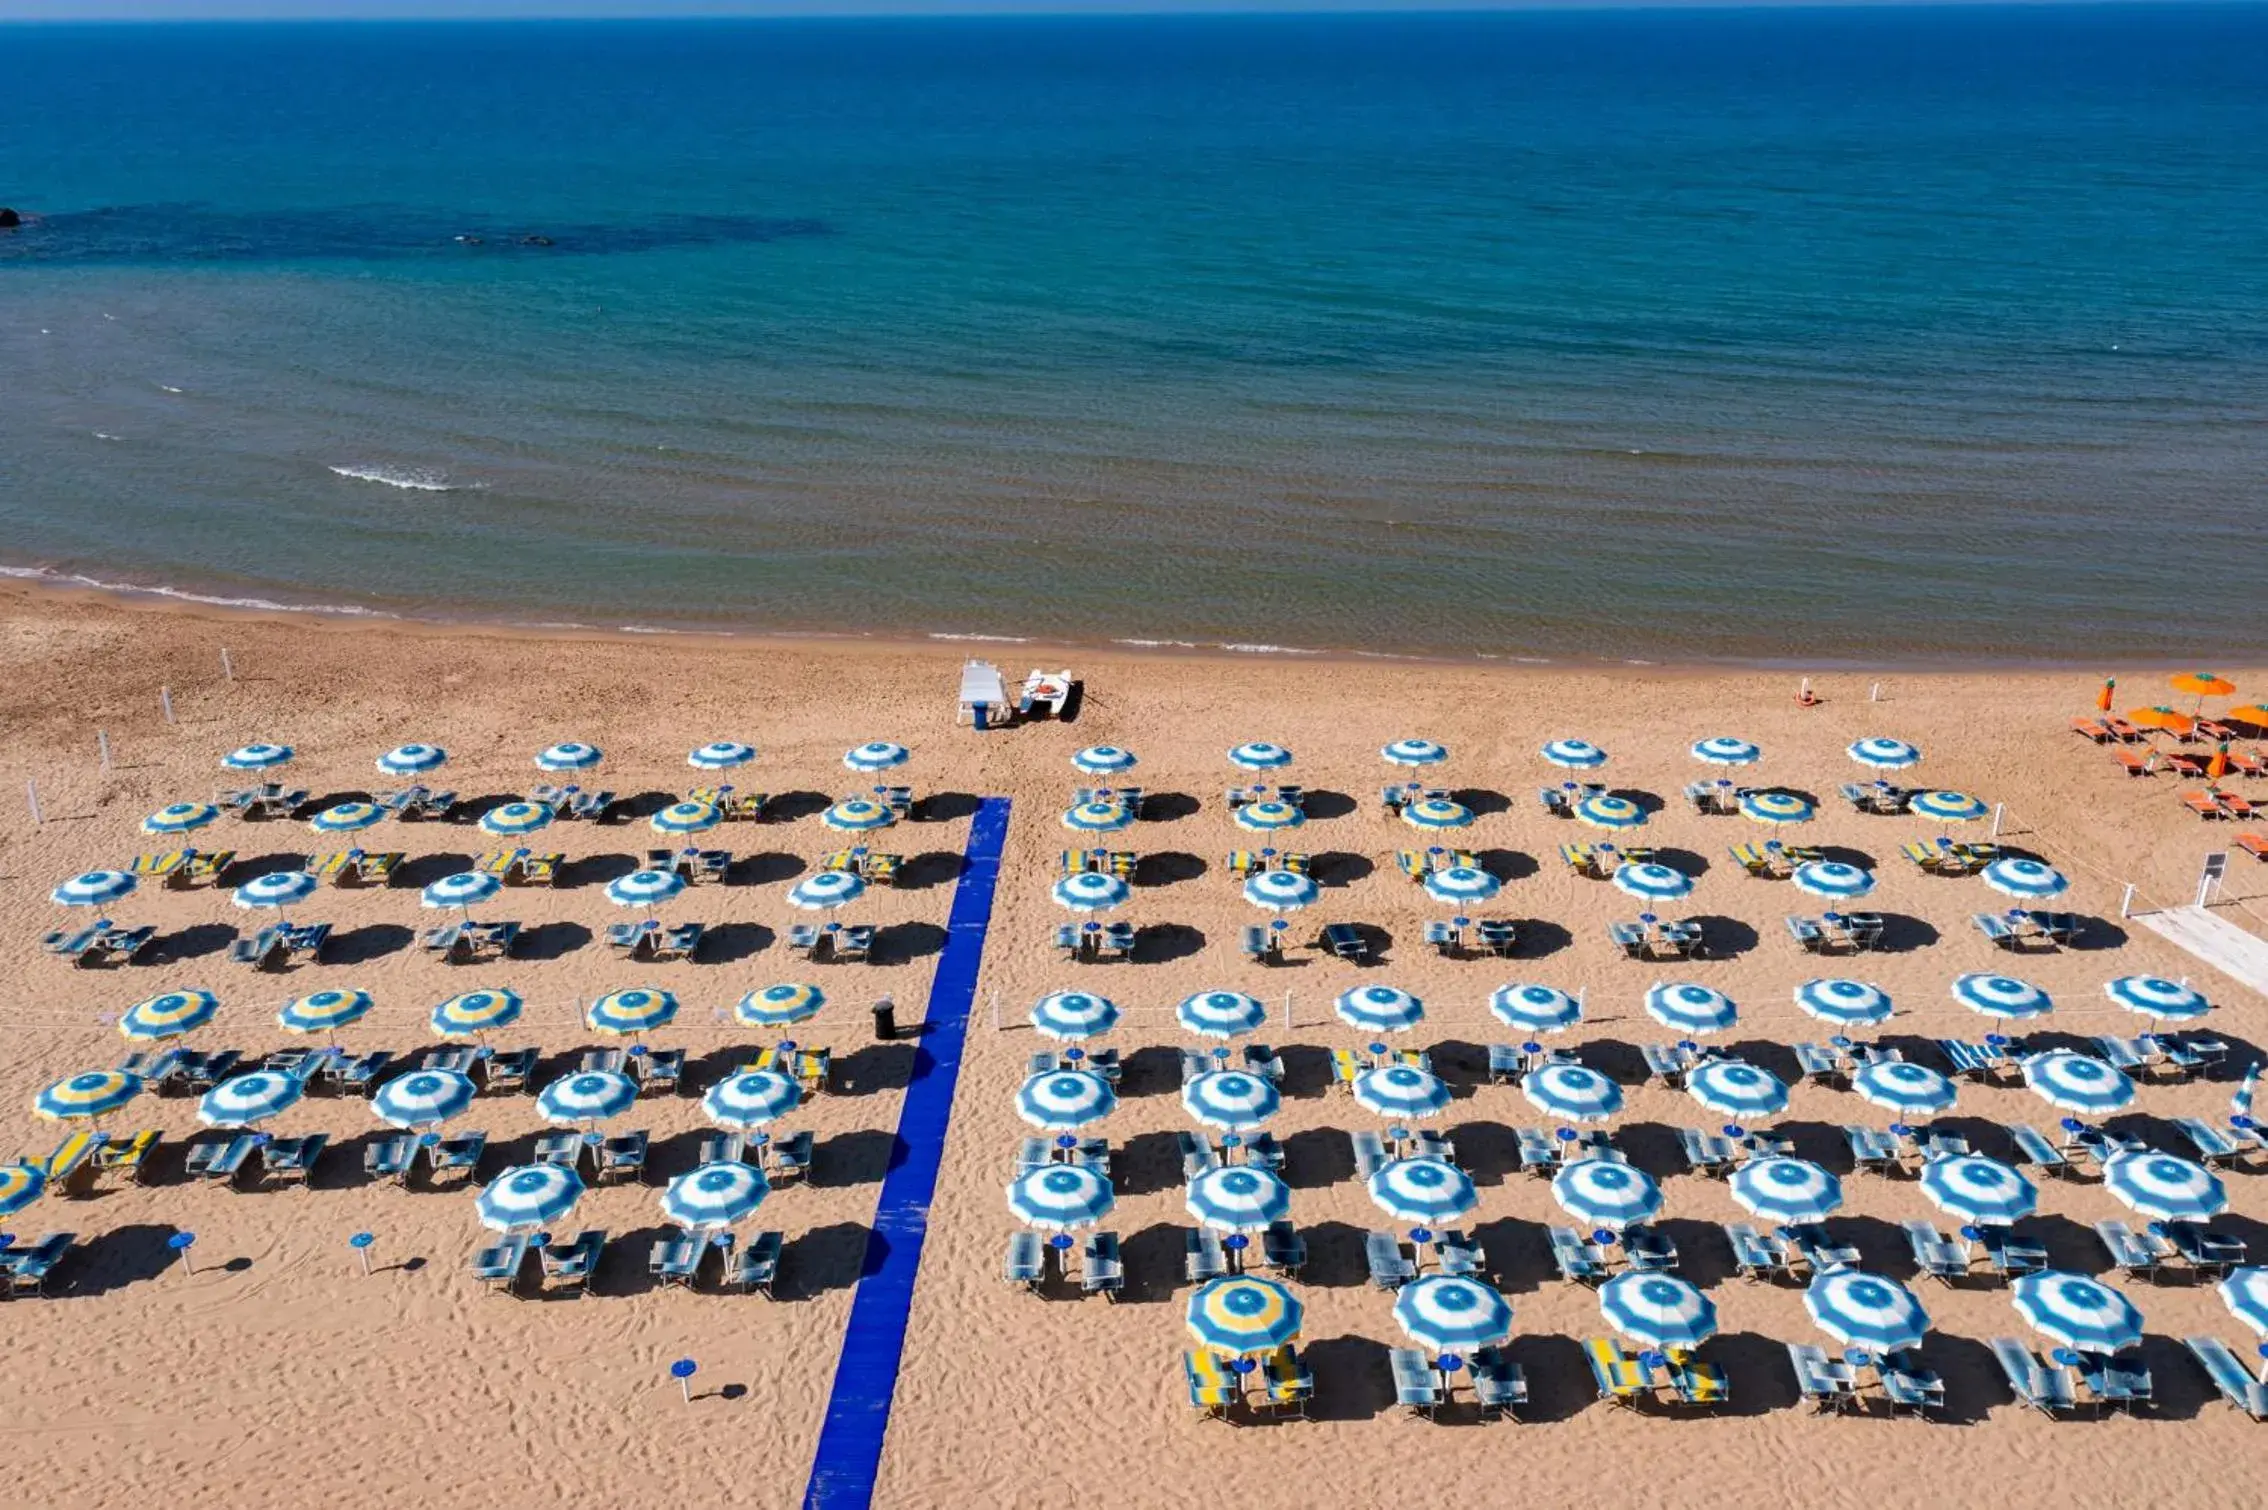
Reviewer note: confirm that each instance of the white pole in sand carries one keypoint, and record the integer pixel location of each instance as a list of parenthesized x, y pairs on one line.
[(1874, 693), (31, 798), (1999, 811), (165, 702), (102, 743), (227, 666), (2126, 902), (1287, 1009)]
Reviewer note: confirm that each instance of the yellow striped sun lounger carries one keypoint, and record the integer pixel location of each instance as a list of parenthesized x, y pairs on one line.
[(1621, 1378), (163, 865)]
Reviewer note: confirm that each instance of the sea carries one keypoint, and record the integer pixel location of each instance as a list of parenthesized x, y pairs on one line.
[(1780, 336)]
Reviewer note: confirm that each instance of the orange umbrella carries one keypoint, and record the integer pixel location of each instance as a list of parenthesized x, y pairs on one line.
[(2161, 718), (2219, 765), (2251, 713), (2103, 698), (2203, 683)]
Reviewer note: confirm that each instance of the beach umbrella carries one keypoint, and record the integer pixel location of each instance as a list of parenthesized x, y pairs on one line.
[(1572, 1093), (1238, 1198), (276, 890), (2025, 879), (529, 1198), (92, 1093), (2244, 1291), (825, 890), (1606, 1193), (1269, 817), (347, 818), (2255, 714), (510, 820), (1060, 1196), (1098, 817), (1444, 1313), (465, 890), (1737, 1089), (423, 1098), (2104, 698), (2152, 996), (1904, 1087), (714, 1196), (94, 888), (1946, 807), (1259, 755), (2077, 1082), (570, 755), (257, 757), (2202, 684), (1536, 1009), (1833, 879), (1775, 807), (1103, 760), (1725, 750), (1650, 882), (412, 760), (1221, 1014), (1232, 1100), (699, 818), (1658, 1310), (2001, 995), (325, 1011), (877, 755), (1425, 1191), (853, 815), (721, 755), (1866, 1310), (20, 1185), (1240, 1315), (2240, 1100), (169, 1014), (1461, 883), (243, 1100), (1845, 1003), (1786, 1190), (1689, 1008), (2163, 1187), (1436, 813), (587, 1096), (750, 1099), (1607, 811), (1575, 754), (629, 1012), (1062, 1100), (1379, 1009), (778, 1006), (2162, 718), (1885, 754), (1978, 1191), (2077, 1311), (476, 1012), (1413, 752), (1397, 1091), (1072, 1015), (644, 888), (1091, 891), (180, 818)]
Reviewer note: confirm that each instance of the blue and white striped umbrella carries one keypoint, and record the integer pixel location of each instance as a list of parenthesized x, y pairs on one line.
[(1221, 1014), (412, 760), (1775, 807), (856, 815), (569, 755), (1606, 1193), (715, 1196), (1536, 1009), (1444, 1313), (1726, 750), (93, 1093), (1231, 1100), (1652, 883), (2027, 880), (1269, 817), (1737, 1089), (1575, 754), (698, 818), (529, 1198), (242, 1100), (1259, 755), (1461, 883), (95, 888), (587, 1096), (1103, 760), (276, 890), (1242, 1315), (1436, 813), (20, 1185), (512, 819), (778, 1006), (1658, 1310), (2244, 1292), (168, 1015), (1866, 1310), (1786, 1190), (465, 889), (1091, 891), (2077, 1311), (325, 1011), (644, 888), (1401, 1090), (423, 1098), (1425, 1191), (750, 1099), (1845, 1003), (631, 1011), (1904, 1087), (2153, 996), (257, 757), (1060, 1196), (1073, 1015), (1238, 1198), (1098, 818), (180, 818), (2165, 1188), (476, 1012), (877, 755), (721, 755), (2077, 1082), (1973, 1189), (1690, 1008), (825, 890), (1379, 1009), (1413, 752), (1572, 1093), (1833, 879), (1885, 754), (1062, 1100), (1946, 807), (1607, 811), (2001, 996)]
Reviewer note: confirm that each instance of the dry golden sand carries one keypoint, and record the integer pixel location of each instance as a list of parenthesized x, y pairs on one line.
[(278, 1374)]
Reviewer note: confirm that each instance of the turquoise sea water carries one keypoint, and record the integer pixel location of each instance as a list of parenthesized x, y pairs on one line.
[(1803, 335)]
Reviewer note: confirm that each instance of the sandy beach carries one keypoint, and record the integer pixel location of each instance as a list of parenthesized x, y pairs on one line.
[(278, 1373)]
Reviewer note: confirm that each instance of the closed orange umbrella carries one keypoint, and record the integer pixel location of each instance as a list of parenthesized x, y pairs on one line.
[(2103, 698), (2161, 718), (2219, 766)]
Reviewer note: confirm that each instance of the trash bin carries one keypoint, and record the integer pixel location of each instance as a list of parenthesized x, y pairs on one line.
[(885, 1019)]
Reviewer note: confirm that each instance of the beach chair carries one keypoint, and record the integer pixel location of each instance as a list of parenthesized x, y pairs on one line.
[(2233, 806), (2214, 1147), (499, 1267), (757, 1266), (622, 1157), (1755, 1257), (2235, 1382), (1282, 1249), (1806, 933), (2206, 1251), (1829, 1385), (1577, 1261), (1620, 1378), (1417, 1389), (28, 1268), (573, 1264), (1705, 1153), (2094, 730), (791, 1156), (1539, 1155), (1101, 1272), (1554, 801), (1212, 1390), (676, 1260), (2010, 1256), (71, 1168), (1910, 1385), (292, 1160), (1695, 1382), (2133, 764), (1263, 944), (2032, 1147), (2203, 804), (1871, 1151), (1203, 1258), (1026, 1260), (126, 1154), (458, 1155), (1629, 939), (1369, 1153), (1261, 1060), (1389, 1267), (1346, 1067), (1344, 941), (2128, 1253), (2046, 1389), (390, 1157), (1500, 1387)]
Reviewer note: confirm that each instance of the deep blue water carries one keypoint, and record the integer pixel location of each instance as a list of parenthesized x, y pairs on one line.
[(1932, 333)]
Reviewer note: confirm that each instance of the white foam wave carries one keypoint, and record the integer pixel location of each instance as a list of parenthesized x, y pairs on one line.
[(414, 479), (1160, 644), (182, 595), (104, 435), (989, 639), (167, 388), (1242, 649)]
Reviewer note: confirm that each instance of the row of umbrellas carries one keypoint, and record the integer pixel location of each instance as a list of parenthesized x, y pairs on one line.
[(569, 755), (508, 820), (1881, 754)]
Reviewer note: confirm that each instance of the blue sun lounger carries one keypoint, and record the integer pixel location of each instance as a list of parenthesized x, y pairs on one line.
[(2235, 1382), (2045, 1388)]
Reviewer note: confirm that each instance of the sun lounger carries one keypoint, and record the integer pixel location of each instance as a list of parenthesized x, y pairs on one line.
[(1263, 1061), (126, 1154), (1346, 1067), (292, 1160), (2203, 804), (1620, 1377), (1100, 1270), (1705, 1153), (1025, 1262), (2046, 1389), (1369, 1153), (2213, 1146), (791, 1156), (1262, 944), (2128, 1254), (1666, 1062), (658, 1071), (1695, 1382), (2092, 729), (506, 1071), (1344, 941), (2010, 1256), (2033, 1147), (1389, 1267), (1806, 933), (1264, 1150), (1500, 1387), (390, 1157), (220, 1158), (1909, 1384), (2236, 1383), (456, 1155), (2205, 1250), (677, 1260), (1417, 1389), (1827, 1384), (757, 1267), (1578, 1262), (1755, 1257), (1282, 1249), (1203, 1258), (1872, 1152), (622, 1157), (571, 1265), (1212, 1389), (72, 1166), (28, 1268)]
